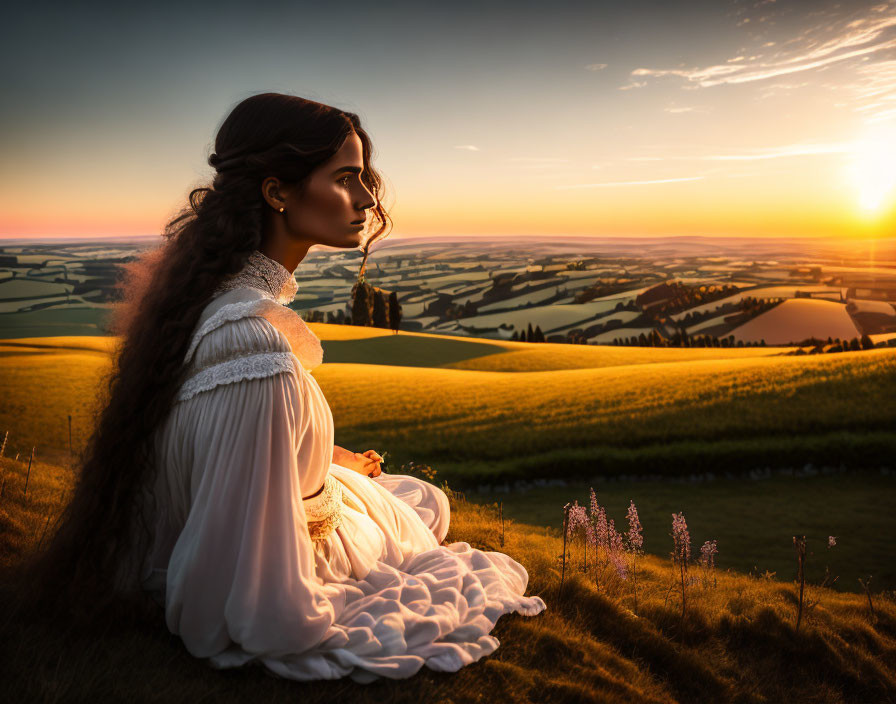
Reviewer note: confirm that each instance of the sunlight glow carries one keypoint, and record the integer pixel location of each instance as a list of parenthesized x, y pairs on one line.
[(872, 169)]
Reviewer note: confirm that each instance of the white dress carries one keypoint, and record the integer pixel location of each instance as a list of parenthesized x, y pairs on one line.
[(352, 581)]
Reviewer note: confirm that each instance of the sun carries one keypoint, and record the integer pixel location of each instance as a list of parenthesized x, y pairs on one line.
[(872, 169)]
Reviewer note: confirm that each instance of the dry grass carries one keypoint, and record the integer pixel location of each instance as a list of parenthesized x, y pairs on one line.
[(27, 518), (538, 357), (612, 410), (737, 643)]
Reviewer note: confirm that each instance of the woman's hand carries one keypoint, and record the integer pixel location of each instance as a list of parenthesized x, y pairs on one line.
[(367, 463), (375, 469)]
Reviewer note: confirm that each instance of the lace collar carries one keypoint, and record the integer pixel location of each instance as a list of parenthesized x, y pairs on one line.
[(263, 274), (249, 301)]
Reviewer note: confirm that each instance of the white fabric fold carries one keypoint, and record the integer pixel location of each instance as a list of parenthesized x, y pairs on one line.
[(234, 564)]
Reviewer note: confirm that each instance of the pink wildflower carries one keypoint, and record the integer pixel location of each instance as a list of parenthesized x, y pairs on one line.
[(681, 538), (589, 532), (635, 539), (682, 551), (832, 541), (601, 528), (707, 554), (577, 517), (616, 550)]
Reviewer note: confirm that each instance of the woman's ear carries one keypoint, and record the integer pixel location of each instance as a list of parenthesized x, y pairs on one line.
[(272, 192)]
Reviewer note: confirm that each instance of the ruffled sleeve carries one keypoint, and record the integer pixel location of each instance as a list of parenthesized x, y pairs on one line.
[(242, 569)]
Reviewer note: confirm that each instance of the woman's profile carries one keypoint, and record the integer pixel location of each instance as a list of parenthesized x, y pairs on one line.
[(211, 489)]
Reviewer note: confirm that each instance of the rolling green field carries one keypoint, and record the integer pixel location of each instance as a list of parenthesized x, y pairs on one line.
[(489, 411), (686, 411), (67, 320)]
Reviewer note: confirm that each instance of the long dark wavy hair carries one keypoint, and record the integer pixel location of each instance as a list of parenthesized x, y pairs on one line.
[(88, 573)]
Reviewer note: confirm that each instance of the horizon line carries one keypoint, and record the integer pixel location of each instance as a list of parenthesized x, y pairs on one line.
[(69, 239)]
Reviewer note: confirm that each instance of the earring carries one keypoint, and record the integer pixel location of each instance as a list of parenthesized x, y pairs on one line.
[(281, 209)]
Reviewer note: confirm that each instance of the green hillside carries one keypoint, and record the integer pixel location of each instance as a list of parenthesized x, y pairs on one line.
[(708, 411)]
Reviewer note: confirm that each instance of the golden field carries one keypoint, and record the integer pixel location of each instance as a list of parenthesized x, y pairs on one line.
[(482, 410)]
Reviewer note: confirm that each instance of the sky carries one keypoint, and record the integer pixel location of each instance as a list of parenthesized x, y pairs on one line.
[(716, 117)]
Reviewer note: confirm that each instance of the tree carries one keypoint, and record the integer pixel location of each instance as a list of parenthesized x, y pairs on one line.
[(379, 310), (530, 334), (539, 335), (362, 304), (867, 344), (394, 312)]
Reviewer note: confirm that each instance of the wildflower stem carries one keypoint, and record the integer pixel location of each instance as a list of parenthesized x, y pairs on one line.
[(585, 554), (868, 594), (800, 544), (563, 567), (681, 565), (28, 475), (502, 523)]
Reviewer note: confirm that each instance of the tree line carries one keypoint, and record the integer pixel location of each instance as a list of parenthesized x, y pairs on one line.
[(370, 307)]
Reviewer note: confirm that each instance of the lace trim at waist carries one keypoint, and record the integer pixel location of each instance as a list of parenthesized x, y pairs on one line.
[(324, 511)]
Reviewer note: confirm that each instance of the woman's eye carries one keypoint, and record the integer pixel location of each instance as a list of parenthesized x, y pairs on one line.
[(344, 180)]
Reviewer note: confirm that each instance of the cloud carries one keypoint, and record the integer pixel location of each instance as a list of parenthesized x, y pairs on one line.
[(468, 147), (785, 88), (596, 67), (861, 39), (760, 154), (537, 158), (629, 183), (875, 88), (781, 152), (538, 162), (760, 71)]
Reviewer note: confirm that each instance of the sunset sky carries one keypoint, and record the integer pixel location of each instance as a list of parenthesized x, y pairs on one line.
[(608, 118)]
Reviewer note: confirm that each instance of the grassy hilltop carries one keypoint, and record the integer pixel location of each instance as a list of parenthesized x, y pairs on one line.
[(617, 640), (489, 410), (492, 411)]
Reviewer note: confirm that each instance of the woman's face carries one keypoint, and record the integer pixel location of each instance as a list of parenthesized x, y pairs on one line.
[(333, 207)]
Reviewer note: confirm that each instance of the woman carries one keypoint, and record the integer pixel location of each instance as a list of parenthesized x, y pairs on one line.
[(212, 482)]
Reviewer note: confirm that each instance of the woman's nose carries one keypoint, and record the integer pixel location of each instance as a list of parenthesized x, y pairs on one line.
[(366, 202)]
